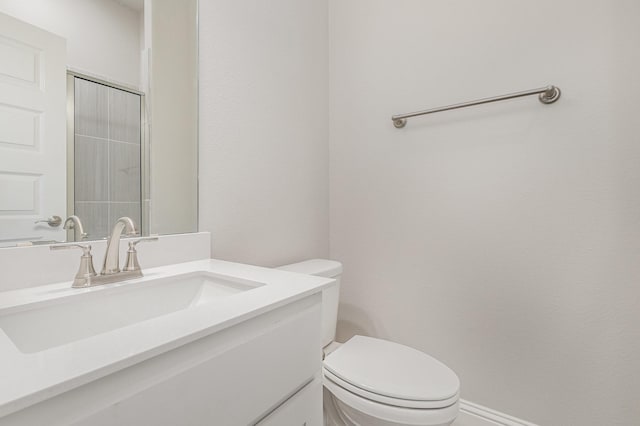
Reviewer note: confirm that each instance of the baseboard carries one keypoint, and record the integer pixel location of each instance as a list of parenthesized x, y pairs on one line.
[(476, 415)]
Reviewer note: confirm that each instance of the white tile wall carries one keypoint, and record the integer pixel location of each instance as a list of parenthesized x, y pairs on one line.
[(107, 156)]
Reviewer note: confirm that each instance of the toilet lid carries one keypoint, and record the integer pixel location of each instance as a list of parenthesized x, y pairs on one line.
[(392, 370)]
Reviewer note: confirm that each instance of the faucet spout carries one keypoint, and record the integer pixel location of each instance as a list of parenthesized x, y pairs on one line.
[(73, 222), (111, 263)]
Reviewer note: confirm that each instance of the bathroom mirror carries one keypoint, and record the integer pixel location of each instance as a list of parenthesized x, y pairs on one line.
[(98, 118)]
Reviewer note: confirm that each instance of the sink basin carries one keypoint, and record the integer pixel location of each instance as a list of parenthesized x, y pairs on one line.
[(100, 310)]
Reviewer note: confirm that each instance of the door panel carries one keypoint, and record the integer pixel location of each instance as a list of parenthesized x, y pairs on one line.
[(32, 131)]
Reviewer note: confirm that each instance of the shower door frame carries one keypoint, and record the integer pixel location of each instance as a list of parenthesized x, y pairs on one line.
[(144, 147)]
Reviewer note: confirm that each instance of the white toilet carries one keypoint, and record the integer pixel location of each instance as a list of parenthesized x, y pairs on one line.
[(374, 382)]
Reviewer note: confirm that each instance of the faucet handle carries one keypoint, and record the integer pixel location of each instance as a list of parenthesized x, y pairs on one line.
[(86, 271), (134, 243), (131, 263), (86, 248)]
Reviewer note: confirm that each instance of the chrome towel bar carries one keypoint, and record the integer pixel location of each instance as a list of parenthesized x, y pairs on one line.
[(546, 95)]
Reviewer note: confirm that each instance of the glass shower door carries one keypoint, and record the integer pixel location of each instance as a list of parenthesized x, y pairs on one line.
[(107, 156)]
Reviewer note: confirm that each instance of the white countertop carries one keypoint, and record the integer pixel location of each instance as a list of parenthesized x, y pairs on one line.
[(28, 378)]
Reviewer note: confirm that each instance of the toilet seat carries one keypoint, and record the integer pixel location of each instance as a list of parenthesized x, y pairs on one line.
[(396, 402), (392, 374)]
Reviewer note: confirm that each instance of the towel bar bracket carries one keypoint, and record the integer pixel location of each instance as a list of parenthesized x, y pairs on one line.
[(549, 96)]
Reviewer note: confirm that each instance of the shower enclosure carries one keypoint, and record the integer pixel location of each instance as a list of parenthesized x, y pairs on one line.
[(105, 153)]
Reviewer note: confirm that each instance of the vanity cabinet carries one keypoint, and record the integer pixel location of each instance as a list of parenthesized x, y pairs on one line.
[(264, 370), (302, 409)]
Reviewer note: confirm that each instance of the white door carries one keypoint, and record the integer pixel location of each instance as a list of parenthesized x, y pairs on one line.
[(32, 132)]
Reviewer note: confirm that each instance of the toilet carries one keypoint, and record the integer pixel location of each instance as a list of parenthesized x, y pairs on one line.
[(375, 382)]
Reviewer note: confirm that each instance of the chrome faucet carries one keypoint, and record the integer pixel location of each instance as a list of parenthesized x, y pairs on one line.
[(111, 263), (73, 222)]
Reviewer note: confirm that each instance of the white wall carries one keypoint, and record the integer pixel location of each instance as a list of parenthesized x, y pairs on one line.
[(503, 239), (264, 129), (103, 36), (173, 115)]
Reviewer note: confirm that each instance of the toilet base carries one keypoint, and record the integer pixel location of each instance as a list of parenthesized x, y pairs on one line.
[(337, 413)]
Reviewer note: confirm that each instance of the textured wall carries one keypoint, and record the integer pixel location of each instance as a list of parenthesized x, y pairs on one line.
[(503, 239), (264, 129)]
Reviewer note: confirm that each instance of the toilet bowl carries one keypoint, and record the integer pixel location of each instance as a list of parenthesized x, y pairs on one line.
[(375, 382)]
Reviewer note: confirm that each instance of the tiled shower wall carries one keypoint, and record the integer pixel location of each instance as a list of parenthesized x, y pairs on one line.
[(107, 156)]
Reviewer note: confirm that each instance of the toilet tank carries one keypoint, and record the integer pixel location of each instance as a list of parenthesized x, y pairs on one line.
[(330, 295)]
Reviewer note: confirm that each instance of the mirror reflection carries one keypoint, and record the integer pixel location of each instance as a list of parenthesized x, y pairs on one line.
[(98, 118)]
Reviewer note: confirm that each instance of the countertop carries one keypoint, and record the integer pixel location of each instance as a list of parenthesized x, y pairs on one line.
[(29, 378)]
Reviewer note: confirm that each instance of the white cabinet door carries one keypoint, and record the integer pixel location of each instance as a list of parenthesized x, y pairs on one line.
[(302, 409), (32, 131)]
